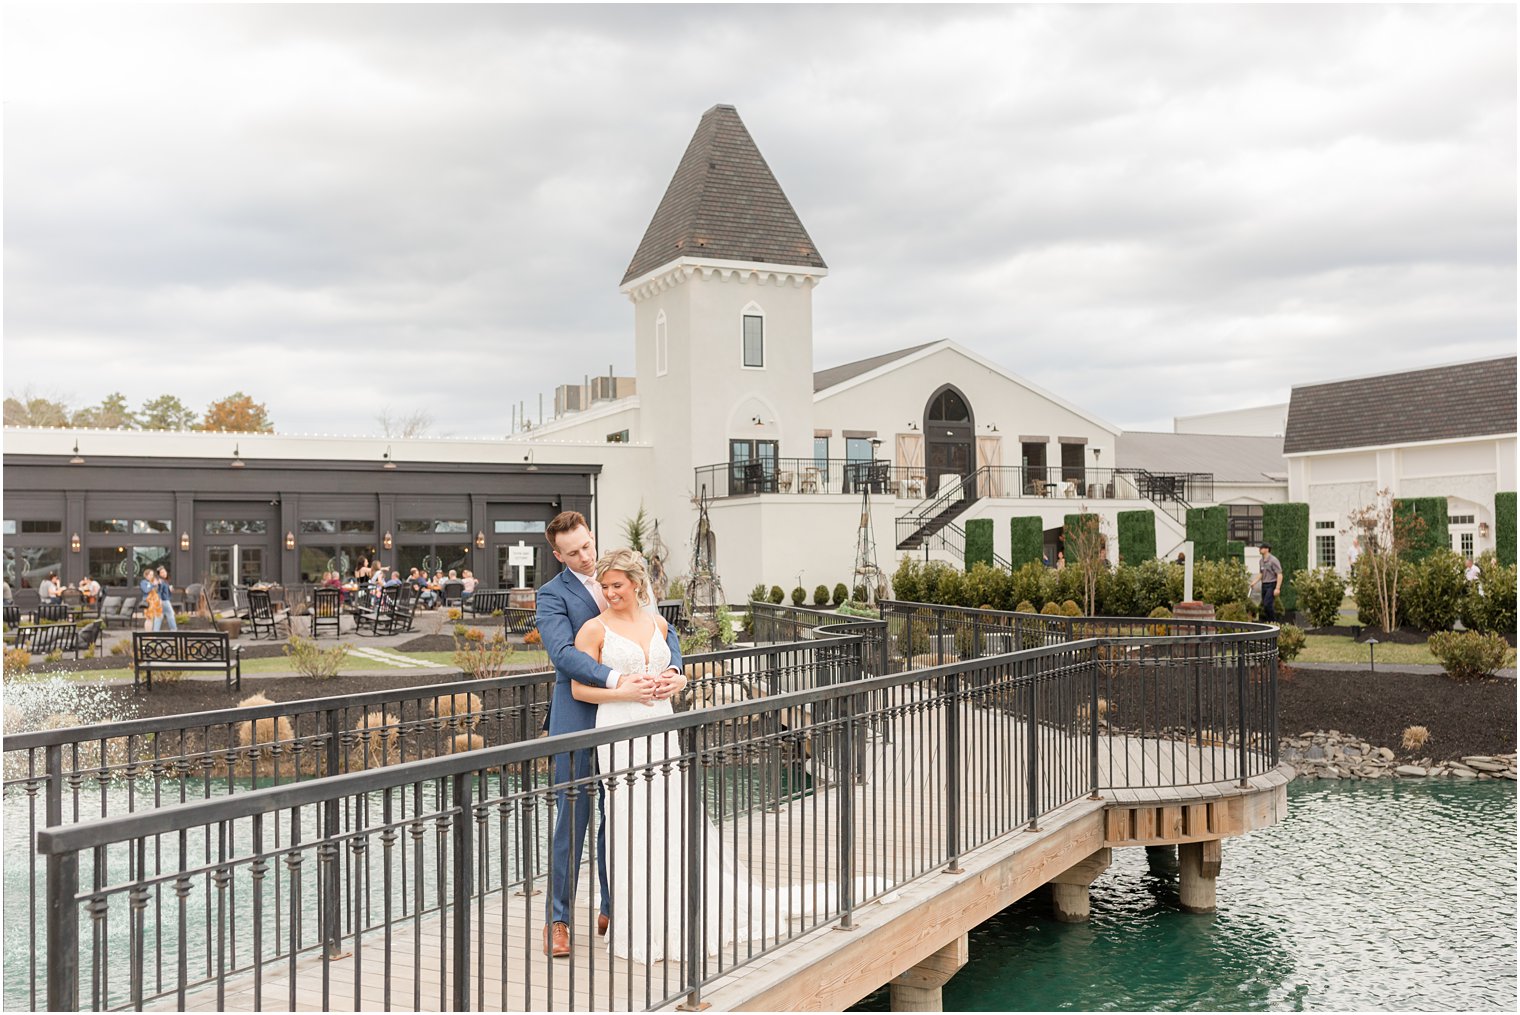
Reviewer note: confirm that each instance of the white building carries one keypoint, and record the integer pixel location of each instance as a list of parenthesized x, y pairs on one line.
[(1444, 431)]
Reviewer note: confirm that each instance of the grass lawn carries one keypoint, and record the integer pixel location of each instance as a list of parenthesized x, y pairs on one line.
[(1329, 648)]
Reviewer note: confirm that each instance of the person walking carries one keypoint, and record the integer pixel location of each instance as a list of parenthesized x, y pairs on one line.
[(166, 596), (1269, 575)]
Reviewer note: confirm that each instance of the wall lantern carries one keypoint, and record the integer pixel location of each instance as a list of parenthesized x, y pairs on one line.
[(184, 540), (1483, 529), (1097, 454), (387, 542), (237, 457), (290, 540), (480, 540), (912, 425), (78, 459), (389, 463), (532, 465), (74, 542)]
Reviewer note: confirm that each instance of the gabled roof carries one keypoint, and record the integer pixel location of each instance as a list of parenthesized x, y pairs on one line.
[(724, 203), (865, 371), (838, 375), (1438, 403), (1230, 458)]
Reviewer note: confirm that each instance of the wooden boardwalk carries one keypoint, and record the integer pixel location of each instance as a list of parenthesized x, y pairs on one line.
[(898, 826)]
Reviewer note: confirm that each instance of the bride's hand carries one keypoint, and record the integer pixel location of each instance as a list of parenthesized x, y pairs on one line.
[(639, 687), (671, 683)]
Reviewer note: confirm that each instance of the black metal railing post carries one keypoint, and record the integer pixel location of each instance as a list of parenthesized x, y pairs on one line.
[(462, 791), (62, 930), (1092, 737), (332, 916), (846, 728), (696, 872), (952, 756), (1032, 754), (1240, 693)]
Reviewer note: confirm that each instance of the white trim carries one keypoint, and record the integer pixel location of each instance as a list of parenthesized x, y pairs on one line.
[(674, 272), (897, 364), (1402, 444), (752, 309), (661, 345)]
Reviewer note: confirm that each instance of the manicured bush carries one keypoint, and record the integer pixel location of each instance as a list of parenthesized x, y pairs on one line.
[(1235, 611), (943, 584), (1320, 592), (1432, 535), (799, 596), (1118, 598), (841, 594), (1050, 610), (1160, 630), (1220, 582), (759, 593), (1504, 527), (1468, 653), (1489, 605), (1208, 528), (985, 587), (1432, 590), (906, 584), (777, 597), (1285, 527), (1031, 583), (1137, 536), (1026, 541), (1234, 549), (978, 542), (821, 596), (1071, 609), (1290, 642), (857, 609), (1025, 606)]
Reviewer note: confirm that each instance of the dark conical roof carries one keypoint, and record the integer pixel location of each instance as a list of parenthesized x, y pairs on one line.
[(724, 203)]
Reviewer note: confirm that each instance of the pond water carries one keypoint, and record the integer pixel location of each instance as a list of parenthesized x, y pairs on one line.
[(1377, 895)]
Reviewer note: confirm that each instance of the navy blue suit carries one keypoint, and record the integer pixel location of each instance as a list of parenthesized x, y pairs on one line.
[(563, 607)]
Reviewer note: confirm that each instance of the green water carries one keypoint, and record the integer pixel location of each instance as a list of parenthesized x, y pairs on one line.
[(1372, 895)]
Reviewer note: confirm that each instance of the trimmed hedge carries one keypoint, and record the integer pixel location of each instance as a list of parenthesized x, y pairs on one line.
[(1285, 528), (1137, 536), (1208, 528), (1432, 511), (1234, 549), (978, 541), (1027, 541), (1504, 527)]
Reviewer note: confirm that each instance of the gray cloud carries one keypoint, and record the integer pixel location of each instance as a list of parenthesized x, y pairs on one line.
[(1148, 210)]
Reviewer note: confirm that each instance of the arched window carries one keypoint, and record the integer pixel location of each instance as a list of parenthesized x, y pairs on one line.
[(949, 407), (661, 350)]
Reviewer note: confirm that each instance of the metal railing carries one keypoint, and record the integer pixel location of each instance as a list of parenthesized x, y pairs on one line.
[(948, 537), (78, 774), (810, 476), (804, 788)]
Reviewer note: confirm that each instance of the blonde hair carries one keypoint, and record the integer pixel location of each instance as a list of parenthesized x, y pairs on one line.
[(630, 563)]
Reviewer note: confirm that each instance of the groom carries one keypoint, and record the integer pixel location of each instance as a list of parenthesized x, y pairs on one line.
[(565, 603)]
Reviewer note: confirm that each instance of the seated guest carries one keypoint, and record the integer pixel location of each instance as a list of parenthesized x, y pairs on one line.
[(48, 591), (363, 571), (469, 583), (89, 588)]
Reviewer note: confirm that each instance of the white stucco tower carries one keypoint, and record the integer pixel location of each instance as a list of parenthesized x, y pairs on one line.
[(722, 288)]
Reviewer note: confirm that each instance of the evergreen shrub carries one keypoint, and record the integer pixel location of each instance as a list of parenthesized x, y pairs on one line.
[(1320, 592), (1432, 590), (841, 594), (1208, 528), (1026, 541), (978, 542), (1432, 536), (821, 596), (1504, 527), (1285, 527), (1137, 536)]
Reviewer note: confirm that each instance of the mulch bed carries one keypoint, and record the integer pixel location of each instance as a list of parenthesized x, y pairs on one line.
[(1464, 717)]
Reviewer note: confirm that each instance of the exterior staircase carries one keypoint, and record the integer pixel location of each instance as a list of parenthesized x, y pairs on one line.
[(919, 525)]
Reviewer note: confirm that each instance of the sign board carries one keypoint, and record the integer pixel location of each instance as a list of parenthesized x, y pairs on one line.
[(520, 556)]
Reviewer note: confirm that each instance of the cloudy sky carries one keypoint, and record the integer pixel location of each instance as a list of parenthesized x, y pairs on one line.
[(1152, 211)]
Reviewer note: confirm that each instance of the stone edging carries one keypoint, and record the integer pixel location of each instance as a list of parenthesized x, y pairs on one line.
[(1335, 755)]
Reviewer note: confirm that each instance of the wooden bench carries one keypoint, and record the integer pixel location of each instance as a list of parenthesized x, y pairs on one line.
[(520, 620), (484, 603), (45, 639), (185, 650)]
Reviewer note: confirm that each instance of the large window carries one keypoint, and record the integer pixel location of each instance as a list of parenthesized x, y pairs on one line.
[(508, 527), (1324, 543), (1074, 466), (235, 527), (754, 341), (1032, 457), (135, 526), (123, 565), (1245, 523), (415, 525), (25, 566), (33, 526), (752, 466), (821, 452), (431, 557), (858, 449), (355, 526), (661, 351)]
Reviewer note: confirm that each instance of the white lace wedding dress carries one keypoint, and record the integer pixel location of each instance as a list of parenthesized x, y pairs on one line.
[(647, 838)]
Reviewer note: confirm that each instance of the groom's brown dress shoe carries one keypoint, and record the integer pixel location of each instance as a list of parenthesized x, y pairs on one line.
[(601, 924), (557, 940)]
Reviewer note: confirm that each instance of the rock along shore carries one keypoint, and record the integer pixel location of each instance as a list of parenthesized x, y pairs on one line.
[(1331, 754)]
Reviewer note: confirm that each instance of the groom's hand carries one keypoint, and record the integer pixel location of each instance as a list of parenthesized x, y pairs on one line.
[(670, 681), (643, 687)]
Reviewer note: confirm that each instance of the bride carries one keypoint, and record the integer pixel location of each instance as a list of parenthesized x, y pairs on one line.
[(645, 795)]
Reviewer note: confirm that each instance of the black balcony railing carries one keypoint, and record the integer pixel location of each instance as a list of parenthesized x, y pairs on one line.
[(809, 476), (834, 779)]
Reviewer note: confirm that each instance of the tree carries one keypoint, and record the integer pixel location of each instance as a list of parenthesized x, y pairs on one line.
[(636, 528), (1386, 537), (31, 409), (237, 413), (166, 412), (111, 414), (415, 424), (1086, 549)]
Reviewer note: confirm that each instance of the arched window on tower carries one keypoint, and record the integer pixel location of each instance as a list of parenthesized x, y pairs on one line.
[(661, 349), (949, 407)]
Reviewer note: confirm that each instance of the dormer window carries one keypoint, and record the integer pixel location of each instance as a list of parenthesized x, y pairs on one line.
[(754, 341)]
